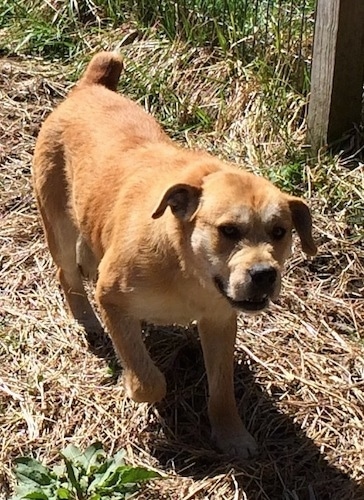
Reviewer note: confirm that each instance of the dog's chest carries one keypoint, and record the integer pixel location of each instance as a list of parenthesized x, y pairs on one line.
[(179, 306)]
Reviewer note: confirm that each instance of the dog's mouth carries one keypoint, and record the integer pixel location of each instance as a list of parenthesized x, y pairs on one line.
[(252, 304)]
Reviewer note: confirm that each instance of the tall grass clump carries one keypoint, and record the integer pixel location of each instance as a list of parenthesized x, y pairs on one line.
[(274, 31)]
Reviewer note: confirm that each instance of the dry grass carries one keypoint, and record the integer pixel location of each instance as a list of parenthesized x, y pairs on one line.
[(299, 367)]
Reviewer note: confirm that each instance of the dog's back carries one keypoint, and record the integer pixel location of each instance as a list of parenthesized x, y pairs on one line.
[(83, 142), (93, 115)]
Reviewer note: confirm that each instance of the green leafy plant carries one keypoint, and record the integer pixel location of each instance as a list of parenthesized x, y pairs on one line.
[(87, 475)]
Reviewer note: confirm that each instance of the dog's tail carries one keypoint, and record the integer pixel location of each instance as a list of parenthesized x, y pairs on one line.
[(103, 69)]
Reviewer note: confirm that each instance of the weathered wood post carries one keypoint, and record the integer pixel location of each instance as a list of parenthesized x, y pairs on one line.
[(337, 70)]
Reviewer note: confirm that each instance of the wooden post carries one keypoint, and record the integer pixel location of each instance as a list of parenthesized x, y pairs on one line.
[(337, 70)]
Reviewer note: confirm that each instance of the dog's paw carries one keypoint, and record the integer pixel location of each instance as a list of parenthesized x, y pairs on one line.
[(91, 325), (151, 390), (241, 446)]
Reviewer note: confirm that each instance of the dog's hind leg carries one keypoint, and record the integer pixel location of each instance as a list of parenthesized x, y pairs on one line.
[(62, 237), (52, 196)]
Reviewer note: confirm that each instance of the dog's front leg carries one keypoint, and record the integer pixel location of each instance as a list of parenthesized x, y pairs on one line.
[(143, 381), (228, 431)]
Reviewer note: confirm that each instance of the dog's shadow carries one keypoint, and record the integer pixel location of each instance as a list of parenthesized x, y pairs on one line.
[(290, 465)]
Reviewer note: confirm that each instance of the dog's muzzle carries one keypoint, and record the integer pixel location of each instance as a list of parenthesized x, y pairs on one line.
[(260, 289)]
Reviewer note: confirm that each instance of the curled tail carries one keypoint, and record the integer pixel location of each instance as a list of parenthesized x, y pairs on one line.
[(103, 69)]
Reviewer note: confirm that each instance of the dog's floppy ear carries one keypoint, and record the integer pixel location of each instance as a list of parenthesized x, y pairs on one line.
[(183, 199), (302, 221)]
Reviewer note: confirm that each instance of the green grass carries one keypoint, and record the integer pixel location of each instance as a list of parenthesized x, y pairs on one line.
[(242, 25), (37, 28), (274, 31)]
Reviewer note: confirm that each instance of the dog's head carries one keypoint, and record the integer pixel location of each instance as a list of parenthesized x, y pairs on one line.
[(240, 232)]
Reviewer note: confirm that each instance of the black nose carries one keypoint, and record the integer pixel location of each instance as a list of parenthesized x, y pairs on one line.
[(263, 276)]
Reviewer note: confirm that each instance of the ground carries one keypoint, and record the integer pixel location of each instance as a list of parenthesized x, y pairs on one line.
[(299, 367)]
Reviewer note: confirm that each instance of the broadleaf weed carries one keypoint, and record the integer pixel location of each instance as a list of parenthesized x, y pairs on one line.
[(87, 475)]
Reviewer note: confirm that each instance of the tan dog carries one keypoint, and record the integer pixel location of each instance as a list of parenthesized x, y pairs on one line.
[(175, 236)]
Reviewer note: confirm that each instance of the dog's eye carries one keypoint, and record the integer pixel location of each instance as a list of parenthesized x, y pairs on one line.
[(278, 233), (230, 231)]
